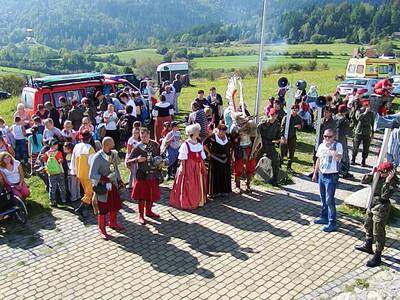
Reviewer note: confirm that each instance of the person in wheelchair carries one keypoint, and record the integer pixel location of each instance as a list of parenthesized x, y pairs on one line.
[(12, 176)]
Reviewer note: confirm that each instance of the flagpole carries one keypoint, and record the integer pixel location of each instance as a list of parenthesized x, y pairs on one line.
[(260, 60)]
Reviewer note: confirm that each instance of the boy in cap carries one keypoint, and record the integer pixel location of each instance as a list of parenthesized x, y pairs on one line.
[(377, 216)]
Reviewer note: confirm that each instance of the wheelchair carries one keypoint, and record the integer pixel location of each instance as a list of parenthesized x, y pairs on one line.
[(11, 206)]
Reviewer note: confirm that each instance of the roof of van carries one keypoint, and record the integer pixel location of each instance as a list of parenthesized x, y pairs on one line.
[(70, 78), (174, 66)]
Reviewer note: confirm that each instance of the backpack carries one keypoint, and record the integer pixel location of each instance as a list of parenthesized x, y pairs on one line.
[(52, 165)]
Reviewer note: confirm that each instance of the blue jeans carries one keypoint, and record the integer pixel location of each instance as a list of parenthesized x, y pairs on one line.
[(21, 152), (327, 187)]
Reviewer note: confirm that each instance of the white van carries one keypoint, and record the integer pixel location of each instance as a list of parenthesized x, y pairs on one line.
[(167, 71)]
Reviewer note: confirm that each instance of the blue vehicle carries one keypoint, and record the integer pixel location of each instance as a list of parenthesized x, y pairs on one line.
[(12, 206)]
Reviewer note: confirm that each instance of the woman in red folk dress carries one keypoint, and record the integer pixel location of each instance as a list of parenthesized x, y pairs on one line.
[(189, 189)]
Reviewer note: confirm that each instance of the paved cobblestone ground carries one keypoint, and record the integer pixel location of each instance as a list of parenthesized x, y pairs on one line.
[(251, 246)]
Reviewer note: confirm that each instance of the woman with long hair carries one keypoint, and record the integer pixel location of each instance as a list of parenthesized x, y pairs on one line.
[(34, 145), (13, 175)]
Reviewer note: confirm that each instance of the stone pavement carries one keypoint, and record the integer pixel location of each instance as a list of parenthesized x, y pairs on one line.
[(251, 246)]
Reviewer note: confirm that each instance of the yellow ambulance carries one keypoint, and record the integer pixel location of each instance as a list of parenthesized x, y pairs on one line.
[(372, 67)]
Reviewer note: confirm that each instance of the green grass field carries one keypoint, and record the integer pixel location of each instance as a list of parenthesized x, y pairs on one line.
[(7, 70), (336, 48), (336, 63), (140, 55)]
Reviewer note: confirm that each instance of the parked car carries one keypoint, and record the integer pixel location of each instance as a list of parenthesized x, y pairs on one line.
[(366, 84), (396, 85), (4, 95)]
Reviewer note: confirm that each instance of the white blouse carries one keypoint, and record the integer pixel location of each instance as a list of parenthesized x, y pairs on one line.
[(183, 150), (12, 176)]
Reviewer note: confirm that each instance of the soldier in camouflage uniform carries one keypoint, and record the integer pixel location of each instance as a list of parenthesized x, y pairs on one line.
[(289, 145), (363, 133), (343, 130), (377, 216)]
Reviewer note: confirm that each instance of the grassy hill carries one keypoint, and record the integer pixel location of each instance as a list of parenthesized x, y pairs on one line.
[(140, 55), (7, 70), (335, 48), (335, 63)]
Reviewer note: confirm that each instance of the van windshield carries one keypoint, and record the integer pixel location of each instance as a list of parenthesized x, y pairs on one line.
[(69, 95)]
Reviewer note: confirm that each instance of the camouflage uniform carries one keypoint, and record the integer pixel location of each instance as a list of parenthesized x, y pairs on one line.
[(376, 218), (342, 131), (290, 145), (362, 134)]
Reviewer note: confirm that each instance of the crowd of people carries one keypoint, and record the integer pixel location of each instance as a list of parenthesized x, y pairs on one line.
[(76, 149)]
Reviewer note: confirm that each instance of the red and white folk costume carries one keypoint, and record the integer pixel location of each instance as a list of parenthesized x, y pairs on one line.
[(189, 190)]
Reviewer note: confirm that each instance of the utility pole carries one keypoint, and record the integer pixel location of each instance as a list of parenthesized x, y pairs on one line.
[(260, 60)]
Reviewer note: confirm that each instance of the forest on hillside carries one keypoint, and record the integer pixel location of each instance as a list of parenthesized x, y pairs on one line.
[(126, 24)]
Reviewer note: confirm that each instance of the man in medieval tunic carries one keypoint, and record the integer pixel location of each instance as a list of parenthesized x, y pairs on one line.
[(146, 189), (106, 178)]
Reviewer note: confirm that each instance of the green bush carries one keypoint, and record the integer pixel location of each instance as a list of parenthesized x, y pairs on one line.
[(12, 83)]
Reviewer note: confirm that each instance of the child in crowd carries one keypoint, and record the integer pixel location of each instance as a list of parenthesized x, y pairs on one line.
[(6, 147), (99, 133), (86, 124), (164, 132), (51, 131), (68, 132), (133, 141), (34, 145), (19, 134), (73, 182), (38, 122), (6, 133), (171, 144), (53, 161), (137, 124)]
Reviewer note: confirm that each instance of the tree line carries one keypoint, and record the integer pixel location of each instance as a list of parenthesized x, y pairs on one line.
[(123, 24)]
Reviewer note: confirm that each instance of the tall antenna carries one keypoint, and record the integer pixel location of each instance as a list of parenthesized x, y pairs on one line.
[(260, 60)]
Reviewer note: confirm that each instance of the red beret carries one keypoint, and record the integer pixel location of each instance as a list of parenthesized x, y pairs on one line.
[(342, 108), (295, 106), (98, 94), (385, 167), (272, 111)]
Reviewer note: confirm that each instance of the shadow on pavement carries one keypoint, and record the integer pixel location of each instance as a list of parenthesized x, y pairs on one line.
[(162, 255), (220, 211), (270, 205), (25, 236), (202, 239)]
